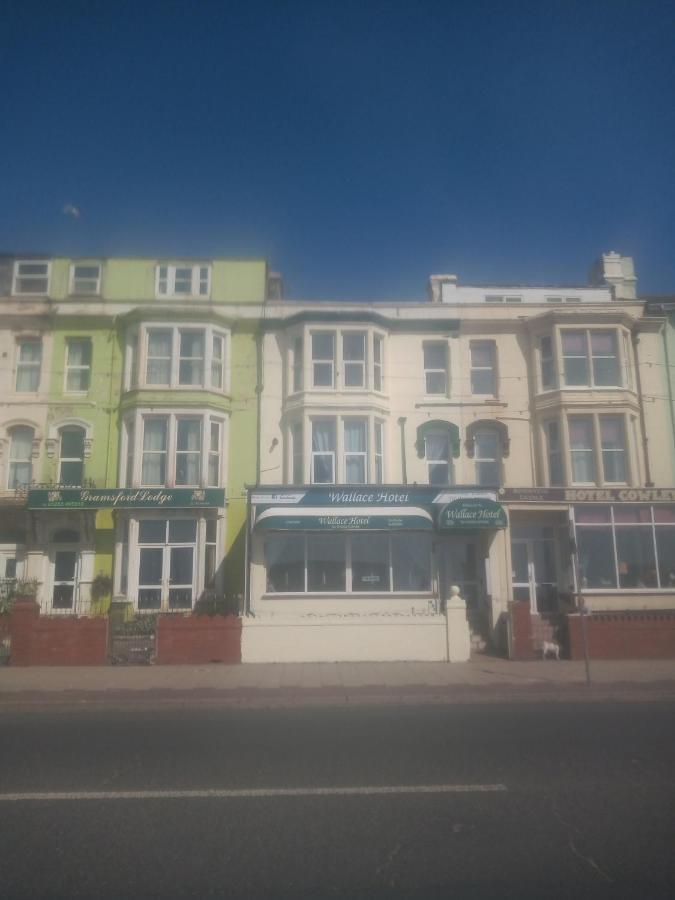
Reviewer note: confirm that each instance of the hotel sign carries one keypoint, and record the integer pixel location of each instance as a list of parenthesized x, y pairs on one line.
[(471, 513), (587, 495), (126, 498)]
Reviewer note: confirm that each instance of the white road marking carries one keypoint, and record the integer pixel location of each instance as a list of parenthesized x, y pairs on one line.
[(247, 793)]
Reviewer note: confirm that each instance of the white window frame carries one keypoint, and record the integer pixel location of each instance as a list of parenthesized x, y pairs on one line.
[(196, 280), (69, 367), (17, 276), (331, 452), (378, 451), (621, 362), (131, 457), (338, 453), (554, 452), (23, 366), (492, 368), (433, 370), (74, 278), (363, 455), (495, 460), (297, 456), (596, 446), (437, 432), (68, 459), (378, 363), (141, 336), (361, 364), (547, 361), (324, 362), (13, 460)]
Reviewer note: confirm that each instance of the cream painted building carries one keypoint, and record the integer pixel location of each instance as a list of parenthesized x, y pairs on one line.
[(509, 442)]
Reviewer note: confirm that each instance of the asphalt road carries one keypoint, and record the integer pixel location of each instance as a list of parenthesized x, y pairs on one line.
[(563, 800)]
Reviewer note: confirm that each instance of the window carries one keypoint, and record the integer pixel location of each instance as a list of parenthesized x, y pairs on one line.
[(548, 379), (78, 365), (177, 450), (436, 368), (582, 449), (210, 553), (487, 455), (555, 468), (323, 359), (185, 357), (85, 278), (363, 563), (298, 364), (31, 277), (354, 359), (20, 456), (71, 456), (437, 453), (611, 451), (379, 452), (378, 344), (598, 347), (183, 280), (356, 451), (323, 451), (29, 364), (483, 379), (297, 474), (613, 448), (66, 570), (628, 546)]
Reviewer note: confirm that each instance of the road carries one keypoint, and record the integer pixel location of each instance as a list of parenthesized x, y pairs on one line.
[(545, 800)]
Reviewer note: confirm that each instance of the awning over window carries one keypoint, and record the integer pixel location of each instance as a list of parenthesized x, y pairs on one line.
[(351, 518)]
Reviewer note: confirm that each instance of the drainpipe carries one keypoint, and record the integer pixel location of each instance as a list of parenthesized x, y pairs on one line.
[(643, 428), (404, 470)]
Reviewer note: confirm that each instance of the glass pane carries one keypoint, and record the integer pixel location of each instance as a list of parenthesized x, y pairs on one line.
[(150, 566), (482, 381), (355, 374), (32, 268), (635, 555), (323, 374), (154, 434), (354, 346), (159, 371), (64, 565), (71, 473), (326, 562), (664, 514), (159, 343), (79, 352), (486, 445), (72, 444), (21, 446), (439, 473), (322, 346), (411, 562), (437, 446), (323, 435), (62, 598), (665, 548), (20, 474), (180, 568), (187, 468), (596, 557), (152, 531), (180, 598), (574, 343), (435, 382), (323, 468), (182, 531), (434, 356), (189, 434), (370, 562), (190, 371), (487, 473), (355, 437), (355, 469), (519, 564), (27, 378), (481, 355), (285, 561), (192, 343), (149, 598), (30, 351), (606, 371)]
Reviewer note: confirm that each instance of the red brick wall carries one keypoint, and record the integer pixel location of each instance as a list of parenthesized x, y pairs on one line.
[(198, 639), (521, 645), (57, 640), (624, 635)]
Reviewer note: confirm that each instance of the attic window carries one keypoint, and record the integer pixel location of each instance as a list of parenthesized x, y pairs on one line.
[(494, 298), (31, 277)]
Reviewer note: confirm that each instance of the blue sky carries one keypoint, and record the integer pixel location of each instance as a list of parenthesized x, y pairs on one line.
[(358, 146)]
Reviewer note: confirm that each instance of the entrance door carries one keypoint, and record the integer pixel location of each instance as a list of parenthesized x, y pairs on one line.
[(10, 570), (65, 578), (166, 564), (534, 573)]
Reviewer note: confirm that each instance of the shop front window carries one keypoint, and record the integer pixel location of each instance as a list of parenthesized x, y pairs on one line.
[(326, 566), (370, 563)]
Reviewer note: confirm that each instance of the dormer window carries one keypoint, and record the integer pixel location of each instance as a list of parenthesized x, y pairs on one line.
[(85, 279), (176, 280), (31, 277)]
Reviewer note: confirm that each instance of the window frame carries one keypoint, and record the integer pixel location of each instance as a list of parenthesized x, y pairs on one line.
[(438, 462), (69, 367), (490, 345), (16, 277), (596, 447), (28, 366), (63, 429), (622, 378), (435, 370), (13, 461), (73, 279), (137, 357), (195, 280), (495, 461)]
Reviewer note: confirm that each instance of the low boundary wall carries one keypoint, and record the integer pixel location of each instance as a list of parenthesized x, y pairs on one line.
[(344, 639), (644, 634), (185, 640), (56, 640)]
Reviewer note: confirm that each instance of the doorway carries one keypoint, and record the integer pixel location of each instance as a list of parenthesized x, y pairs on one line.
[(534, 568)]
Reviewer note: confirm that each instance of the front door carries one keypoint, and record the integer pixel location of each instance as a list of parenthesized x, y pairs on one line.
[(66, 572), (166, 564), (534, 571), (461, 565), (10, 570)]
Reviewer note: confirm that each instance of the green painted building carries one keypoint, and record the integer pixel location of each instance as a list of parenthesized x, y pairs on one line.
[(128, 427)]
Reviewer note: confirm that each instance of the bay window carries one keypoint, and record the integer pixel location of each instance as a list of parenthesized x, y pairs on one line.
[(598, 449), (344, 450), (341, 359), (348, 563), (378, 361), (179, 357), (547, 359), (323, 451), (582, 449), (297, 460), (625, 546), (298, 364), (554, 453), (175, 450), (590, 358), (323, 359), (354, 359), (355, 451)]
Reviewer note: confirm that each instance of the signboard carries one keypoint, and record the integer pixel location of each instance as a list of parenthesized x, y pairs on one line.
[(364, 495), (471, 512), (587, 495), (126, 498), (355, 519)]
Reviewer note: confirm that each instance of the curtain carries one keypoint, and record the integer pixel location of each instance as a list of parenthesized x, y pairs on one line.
[(355, 437), (188, 451), (154, 451), (323, 437), (437, 447)]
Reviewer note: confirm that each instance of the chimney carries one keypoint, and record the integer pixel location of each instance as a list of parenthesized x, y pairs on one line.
[(616, 271), (439, 286), (275, 286)]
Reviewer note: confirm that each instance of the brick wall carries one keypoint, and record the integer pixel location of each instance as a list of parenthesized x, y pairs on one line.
[(56, 641), (644, 634), (198, 639)]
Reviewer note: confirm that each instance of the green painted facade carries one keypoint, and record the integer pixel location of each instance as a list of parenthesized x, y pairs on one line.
[(127, 298)]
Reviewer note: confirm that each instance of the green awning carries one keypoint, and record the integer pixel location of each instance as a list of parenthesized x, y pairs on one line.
[(471, 512), (367, 518)]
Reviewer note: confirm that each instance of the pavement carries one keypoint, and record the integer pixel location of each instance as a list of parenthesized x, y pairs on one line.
[(483, 678)]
